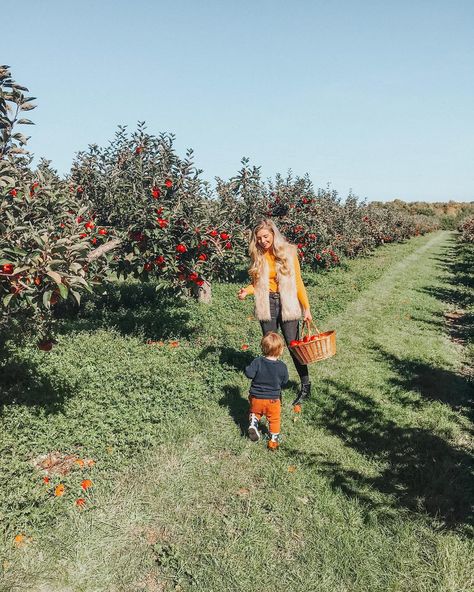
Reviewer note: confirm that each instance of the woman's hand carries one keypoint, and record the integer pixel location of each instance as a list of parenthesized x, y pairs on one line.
[(242, 294), (307, 316)]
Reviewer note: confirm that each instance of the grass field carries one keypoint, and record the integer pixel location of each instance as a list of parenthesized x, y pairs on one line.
[(371, 489)]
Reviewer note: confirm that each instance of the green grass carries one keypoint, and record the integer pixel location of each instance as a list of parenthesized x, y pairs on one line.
[(372, 486)]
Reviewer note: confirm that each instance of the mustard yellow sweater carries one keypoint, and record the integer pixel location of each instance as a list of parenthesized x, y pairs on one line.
[(273, 284)]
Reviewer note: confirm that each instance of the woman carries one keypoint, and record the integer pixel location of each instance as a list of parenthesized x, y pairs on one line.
[(280, 295)]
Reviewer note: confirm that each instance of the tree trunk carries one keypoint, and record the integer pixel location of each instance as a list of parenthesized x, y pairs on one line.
[(203, 293), (96, 253)]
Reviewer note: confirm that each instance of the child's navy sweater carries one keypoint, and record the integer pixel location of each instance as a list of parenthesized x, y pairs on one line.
[(268, 376)]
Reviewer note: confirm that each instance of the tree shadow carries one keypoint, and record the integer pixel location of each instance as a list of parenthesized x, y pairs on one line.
[(236, 360), (22, 384), (420, 471), (238, 406), (239, 409), (241, 276), (132, 308), (228, 356), (430, 382), (437, 321), (459, 292)]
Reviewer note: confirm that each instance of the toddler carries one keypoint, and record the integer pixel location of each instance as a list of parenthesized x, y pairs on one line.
[(268, 375)]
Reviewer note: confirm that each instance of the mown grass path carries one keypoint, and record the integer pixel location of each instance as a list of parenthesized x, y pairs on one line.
[(370, 491)]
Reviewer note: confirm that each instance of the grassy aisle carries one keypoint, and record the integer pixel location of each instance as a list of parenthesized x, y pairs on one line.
[(371, 489)]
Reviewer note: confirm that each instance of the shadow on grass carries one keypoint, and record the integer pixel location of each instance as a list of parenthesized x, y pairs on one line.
[(420, 471), (239, 409), (228, 356), (133, 308), (459, 292), (22, 384), (430, 382), (232, 399), (238, 406)]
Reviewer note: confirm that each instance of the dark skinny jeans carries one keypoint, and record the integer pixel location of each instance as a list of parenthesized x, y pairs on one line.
[(290, 330)]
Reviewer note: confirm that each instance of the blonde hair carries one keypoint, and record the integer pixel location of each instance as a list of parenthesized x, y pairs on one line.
[(272, 344), (279, 247)]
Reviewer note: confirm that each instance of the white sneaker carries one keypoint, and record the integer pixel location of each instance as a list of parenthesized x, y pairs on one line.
[(274, 441), (252, 431)]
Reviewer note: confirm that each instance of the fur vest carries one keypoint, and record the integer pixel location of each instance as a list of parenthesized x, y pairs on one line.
[(290, 306)]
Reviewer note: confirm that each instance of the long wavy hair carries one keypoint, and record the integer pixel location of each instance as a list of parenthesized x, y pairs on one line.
[(280, 247)]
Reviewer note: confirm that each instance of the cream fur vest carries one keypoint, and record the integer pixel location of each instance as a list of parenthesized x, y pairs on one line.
[(290, 306)]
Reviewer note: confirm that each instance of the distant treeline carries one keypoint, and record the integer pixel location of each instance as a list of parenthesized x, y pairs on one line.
[(449, 213)]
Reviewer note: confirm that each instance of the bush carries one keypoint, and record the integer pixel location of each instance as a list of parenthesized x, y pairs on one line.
[(44, 248), (161, 209), (466, 228)]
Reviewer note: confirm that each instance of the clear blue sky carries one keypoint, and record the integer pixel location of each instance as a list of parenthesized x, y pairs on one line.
[(364, 94)]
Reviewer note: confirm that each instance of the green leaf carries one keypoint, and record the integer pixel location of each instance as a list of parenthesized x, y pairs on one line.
[(82, 281), (77, 297), (63, 290), (55, 276), (17, 251), (7, 298), (27, 107), (25, 122), (56, 262), (47, 298), (21, 138), (75, 267), (16, 150), (79, 247), (22, 268)]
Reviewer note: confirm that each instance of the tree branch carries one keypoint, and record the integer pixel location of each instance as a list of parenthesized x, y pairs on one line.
[(96, 253)]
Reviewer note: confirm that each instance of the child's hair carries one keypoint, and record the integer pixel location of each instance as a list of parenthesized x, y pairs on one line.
[(272, 344)]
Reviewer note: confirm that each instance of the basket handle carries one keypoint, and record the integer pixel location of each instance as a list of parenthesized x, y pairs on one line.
[(307, 325)]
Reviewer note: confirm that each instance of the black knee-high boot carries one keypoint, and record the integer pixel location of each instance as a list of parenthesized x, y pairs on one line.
[(305, 393)]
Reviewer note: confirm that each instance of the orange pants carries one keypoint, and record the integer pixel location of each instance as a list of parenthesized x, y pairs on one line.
[(271, 408)]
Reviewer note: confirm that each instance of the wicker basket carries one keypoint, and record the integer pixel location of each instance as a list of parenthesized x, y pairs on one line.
[(319, 347)]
